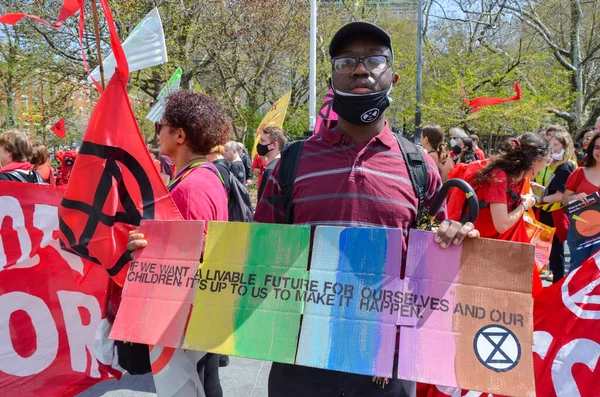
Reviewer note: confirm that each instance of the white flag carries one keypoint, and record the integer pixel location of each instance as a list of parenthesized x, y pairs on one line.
[(144, 47), (156, 113)]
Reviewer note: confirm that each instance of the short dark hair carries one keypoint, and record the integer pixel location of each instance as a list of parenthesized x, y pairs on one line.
[(205, 123), (16, 143), (277, 135), (590, 161)]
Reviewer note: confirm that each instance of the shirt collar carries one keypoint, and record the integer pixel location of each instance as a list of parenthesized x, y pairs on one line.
[(385, 136)]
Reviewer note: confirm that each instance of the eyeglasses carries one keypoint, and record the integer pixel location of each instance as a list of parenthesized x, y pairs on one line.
[(373, 63)]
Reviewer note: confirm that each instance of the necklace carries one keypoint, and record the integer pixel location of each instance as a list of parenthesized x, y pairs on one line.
[(186, 171)]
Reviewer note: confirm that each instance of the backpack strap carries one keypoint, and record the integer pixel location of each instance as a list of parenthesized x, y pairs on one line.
[(417, 170), (34, 177), (290, 157), (17, 175)]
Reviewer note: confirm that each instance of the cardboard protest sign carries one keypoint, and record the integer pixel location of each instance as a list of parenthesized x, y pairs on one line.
[(475, 330), (585, 221), (357, 271), (159, 291), (248, 286), (52, 303)]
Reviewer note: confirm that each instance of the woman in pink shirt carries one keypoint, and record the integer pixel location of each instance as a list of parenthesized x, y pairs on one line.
[(580, 184), (191, 126)]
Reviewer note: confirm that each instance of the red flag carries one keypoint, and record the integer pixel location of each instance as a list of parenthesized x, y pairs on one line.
[(59, 128), (325, 113), (479, 103), (69, 8), (113, 184)]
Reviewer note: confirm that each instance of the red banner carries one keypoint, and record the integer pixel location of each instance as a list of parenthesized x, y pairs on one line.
[(567, 338), (52, 303)]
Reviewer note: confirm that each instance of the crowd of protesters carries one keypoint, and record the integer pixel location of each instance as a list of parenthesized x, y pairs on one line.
[(205, 172)]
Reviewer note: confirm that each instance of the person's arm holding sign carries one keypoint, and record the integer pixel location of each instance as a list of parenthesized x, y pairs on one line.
[(454, 232)]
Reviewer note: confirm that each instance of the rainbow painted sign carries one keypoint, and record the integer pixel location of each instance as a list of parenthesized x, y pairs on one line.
[(245, 302), (462, 317), (356, 269)]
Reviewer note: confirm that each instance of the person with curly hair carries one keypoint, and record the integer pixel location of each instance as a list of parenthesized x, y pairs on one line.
[(192, 125), (499, 184)]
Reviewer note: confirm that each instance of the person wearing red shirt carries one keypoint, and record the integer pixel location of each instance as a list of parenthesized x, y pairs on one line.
[(41, 162), (580, 184), (15, 150), (259, 165), (191, 126), (478, 152), (500, 184)]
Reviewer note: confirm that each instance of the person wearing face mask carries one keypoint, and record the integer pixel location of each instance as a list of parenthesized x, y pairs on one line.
[(550, 209), (456, 136), (353, 173), (272, 140), (464, 151)]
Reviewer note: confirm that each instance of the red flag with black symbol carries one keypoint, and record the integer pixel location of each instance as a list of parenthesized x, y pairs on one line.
[(114, 184), (59, 129), (479, 103)]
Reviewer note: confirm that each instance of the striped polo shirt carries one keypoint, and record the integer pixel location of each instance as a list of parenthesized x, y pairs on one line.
[(341, 183)]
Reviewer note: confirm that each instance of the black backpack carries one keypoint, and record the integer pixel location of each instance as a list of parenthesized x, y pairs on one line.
[(239, 204), (290, 157), (18, 176)]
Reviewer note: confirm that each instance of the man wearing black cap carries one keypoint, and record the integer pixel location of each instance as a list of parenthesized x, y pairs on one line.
[(353, 174)]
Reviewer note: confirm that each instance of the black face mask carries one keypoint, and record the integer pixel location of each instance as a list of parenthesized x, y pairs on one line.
[(456, 149), (262, 150), (361, 109)]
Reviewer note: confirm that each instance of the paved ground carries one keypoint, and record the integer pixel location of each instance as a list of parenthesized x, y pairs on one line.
[(243, 377)]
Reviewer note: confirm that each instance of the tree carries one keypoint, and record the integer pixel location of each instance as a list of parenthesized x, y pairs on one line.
[(565, 28)]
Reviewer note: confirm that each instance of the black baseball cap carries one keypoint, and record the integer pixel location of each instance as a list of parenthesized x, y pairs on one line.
[(355, 29)]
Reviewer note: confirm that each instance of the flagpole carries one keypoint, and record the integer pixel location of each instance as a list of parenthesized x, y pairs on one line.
[(98, 49), (419, 88), (166, 77), (312, 79)]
